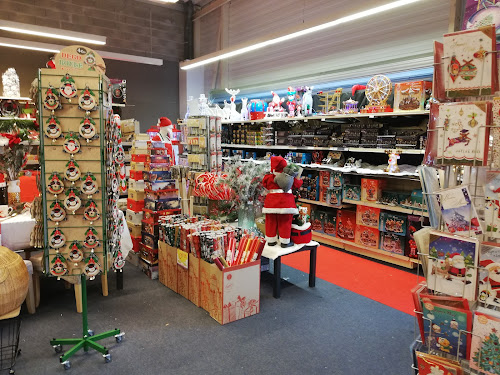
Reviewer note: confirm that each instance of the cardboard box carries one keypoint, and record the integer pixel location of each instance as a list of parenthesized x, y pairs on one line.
[(137, 175), (134, 229), (149, 240), (153, 216), (157, 167), (156, 176), (141, 144), (393, 223), (337, 180), (346, 224), (352, 192), (134, 217), (330, 225), (318, 220), (324, 178), (371, 189), (194, 280), (162, 204), (411, 96), (136, 185), (367, 236), (148, 253), (334, 197), (162, 194), (132, 258), (392, 242), (136, 243), (167, 261), (139, 157), (136, 195), (367, 216), (183, 275), (161, 185), (135, 206), (137, 166), (230, 294), (151, 228), (151, 270), (141, 137), (154, 159)]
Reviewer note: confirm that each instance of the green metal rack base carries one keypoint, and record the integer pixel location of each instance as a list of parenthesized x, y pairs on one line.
[(89, 340)]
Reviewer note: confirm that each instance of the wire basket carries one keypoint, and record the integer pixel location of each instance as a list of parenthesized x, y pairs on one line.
[(9, 342)]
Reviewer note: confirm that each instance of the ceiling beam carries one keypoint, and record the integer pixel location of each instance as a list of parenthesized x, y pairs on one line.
[(213, 5)]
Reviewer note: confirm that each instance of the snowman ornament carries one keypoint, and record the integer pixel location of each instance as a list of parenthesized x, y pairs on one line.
[(72, 172), (91, 241), (88, 129), (87, 101), (57, 239), (118, 260), (75, 252), (58, 265), (72, 201), (89, 185), (51, 101), (92, 266), (57, 213), (91, 212), (55, 185), (53, 128)]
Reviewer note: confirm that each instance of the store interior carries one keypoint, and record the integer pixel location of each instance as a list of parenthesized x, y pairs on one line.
[(186, 182)]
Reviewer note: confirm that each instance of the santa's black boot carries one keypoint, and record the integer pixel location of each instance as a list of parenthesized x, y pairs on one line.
[(285, 245)]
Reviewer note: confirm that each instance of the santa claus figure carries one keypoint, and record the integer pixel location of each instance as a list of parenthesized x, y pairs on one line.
[(492, 281), (165, 135), (279, 205), (457, 269)]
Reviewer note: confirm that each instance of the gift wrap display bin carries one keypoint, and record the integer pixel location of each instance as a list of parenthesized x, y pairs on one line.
[(227, 295)]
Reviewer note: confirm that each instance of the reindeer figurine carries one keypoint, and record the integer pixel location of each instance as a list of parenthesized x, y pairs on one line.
[(245, 115), (307, 101), (393, 161), (233, 115)]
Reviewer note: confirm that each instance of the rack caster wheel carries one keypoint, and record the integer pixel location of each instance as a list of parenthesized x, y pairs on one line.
[(58, 348), (119, 337), (12, 371), (107, 358), (90, 332), (66, 365)]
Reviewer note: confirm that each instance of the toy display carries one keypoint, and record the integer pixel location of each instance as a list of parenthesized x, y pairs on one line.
[(352, 192), (371, 189), (307, 102), (377, 91), (393, 161), (346, 224), (350, 106), (368, 216), (411, 96), (292, 102), (234, 115), (393, 223), (392, 242), (279, 205), (367, 236)]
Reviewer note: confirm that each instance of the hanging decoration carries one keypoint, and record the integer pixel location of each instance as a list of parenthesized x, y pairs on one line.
[(72, 201), (57, 212), (10, 82), (88, 129), (71, 144), (72, 172), (87, 101), (89, 185), (57, 239), (51, 101), (9, 108), (92, 266), (58, 265), (53, 128), (55, 185), (91, 212), (75, 252), (91, 241), (118, 260), (68, 87)]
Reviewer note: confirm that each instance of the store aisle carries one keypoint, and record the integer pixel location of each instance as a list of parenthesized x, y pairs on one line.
[(326, 330)]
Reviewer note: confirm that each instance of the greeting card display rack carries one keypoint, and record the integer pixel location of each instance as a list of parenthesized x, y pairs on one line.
[(456, 174), (79, 188)]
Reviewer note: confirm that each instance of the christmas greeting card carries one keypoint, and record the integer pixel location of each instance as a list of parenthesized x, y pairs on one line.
[(495, 134), (462, 133), (489, 274), (470, 64), (429, 364), (443, 326), (451, 265), (485, 347), (492, 218), (458, 211)]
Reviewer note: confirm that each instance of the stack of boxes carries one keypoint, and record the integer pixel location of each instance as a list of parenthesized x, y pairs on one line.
[(330, 188), (393, 232), (367, 224), (136, 195), (161, 197)]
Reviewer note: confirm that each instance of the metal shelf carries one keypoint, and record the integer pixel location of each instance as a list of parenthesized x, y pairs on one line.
[(312, 148), (329, 117), (317, 203), (387, 207), (17, 118)]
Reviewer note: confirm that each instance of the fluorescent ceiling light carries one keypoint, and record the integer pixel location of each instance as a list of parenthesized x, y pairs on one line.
[(50, 32), (55, 48), (239, 51)]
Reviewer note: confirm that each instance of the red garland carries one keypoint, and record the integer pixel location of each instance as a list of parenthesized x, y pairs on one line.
[(13, 138)]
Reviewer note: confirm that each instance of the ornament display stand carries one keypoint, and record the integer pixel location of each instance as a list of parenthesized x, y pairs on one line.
[(88, 339)]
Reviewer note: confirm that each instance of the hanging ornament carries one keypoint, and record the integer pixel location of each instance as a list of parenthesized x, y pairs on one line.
[(119, 154), (57, 239), (481, 53), (9, 108), (454, 68), (91, 212), (89, 185), (68, 87), (72, 172), (51, 101), (118, 260), (58, 265), (53, 128), (91, 241), (75, 252), (114, 184), (71, 144), (88, 129), (72, 201), (468, 71), (87, 100), (55, 185), (57, 213), (92, 267)]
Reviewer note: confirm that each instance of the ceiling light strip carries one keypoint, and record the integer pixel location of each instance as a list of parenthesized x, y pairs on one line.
[(50, 32), (185, 65)]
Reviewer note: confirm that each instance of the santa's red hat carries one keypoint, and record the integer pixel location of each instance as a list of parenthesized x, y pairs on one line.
[(487, 263), (454, 254), (164, 121), (277, 164)]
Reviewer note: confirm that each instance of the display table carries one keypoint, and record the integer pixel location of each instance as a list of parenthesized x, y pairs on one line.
[(276, 252)]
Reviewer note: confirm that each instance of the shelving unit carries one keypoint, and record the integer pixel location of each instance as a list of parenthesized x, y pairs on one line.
[(311, 148), (400, 260), (317, 203), (409, 211)]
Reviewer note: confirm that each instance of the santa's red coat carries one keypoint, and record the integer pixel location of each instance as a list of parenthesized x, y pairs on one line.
[(279, 203)]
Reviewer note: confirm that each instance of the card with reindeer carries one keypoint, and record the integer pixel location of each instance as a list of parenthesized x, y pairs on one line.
[(463, 133)]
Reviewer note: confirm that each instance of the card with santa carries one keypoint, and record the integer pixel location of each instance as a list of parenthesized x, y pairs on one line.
[(452, 265), (489, 274)]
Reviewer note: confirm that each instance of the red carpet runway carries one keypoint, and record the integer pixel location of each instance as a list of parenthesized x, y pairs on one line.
[(373, 280)]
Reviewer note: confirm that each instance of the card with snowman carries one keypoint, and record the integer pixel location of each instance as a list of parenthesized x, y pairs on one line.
[(452, 265)]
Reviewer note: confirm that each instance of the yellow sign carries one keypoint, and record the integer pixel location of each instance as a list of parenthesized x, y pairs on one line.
[(182, 258), (79, 58)]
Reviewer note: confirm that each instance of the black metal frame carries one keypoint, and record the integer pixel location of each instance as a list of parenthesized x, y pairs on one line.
[(9, 342)]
